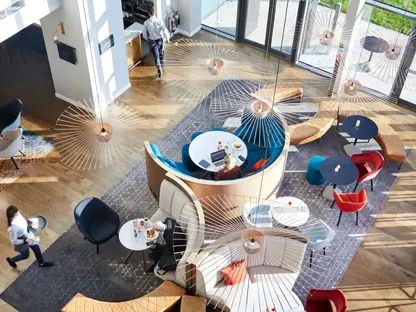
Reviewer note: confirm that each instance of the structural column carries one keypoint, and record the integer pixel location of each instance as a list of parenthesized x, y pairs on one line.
[(98, 73), (349, 37)]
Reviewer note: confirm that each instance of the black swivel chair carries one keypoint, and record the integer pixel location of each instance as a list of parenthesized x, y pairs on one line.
[(96, 221), (10, 116)]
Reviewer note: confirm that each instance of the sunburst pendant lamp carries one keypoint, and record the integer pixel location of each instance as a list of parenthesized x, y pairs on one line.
[(91, 136)]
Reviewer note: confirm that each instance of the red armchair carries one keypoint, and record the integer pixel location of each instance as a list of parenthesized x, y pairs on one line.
[(363, 162), (350, 202), (319, 300)]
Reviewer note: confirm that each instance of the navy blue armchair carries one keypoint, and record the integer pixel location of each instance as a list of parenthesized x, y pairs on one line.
[(96, 221), (10, 116)]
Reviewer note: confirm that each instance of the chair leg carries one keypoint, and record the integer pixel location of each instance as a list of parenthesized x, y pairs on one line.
[(98, 249), (22, 153), (372, 189), (339, 219), (310, 260), (333, 203), (324, 251), (338, 124), (356, 219), (355, 187), (17, 167), (22, 137)]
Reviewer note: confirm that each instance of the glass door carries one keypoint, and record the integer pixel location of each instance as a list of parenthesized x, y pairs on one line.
[(271, 24), (256, 22)]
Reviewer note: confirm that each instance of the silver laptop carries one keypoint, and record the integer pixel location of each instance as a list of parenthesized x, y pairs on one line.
[(217, 158)]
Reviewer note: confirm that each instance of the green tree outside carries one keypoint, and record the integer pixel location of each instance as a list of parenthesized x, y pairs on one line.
[(384, 18)]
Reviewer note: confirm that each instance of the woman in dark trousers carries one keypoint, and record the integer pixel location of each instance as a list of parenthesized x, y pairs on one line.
[(22, 239)]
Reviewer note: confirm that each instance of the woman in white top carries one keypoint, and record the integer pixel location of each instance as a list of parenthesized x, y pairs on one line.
[(22, 239)]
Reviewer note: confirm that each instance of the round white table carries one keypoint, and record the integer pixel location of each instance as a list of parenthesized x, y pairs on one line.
[(290, 211), (204, 144), (139, 243)]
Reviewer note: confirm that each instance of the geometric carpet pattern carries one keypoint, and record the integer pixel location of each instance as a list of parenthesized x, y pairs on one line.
[(104, 277), (34, 147)]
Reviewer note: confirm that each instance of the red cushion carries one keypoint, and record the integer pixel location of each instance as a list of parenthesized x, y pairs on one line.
[(259, 165), (235, 273)]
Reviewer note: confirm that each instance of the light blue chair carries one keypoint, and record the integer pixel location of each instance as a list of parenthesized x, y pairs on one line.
[(313, 174), (319, 236), (195, 134), (10, 116)]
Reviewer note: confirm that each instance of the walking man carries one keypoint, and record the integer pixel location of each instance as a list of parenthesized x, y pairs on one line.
[(155, 31)]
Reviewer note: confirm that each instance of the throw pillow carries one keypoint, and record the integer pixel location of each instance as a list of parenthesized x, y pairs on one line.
[(235, 273), (257, 166)]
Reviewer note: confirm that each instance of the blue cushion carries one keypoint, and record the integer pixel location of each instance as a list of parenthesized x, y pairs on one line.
[(256, 131), (217, 129), (171, 163), (273, 153), (255, 153), (195, 134), (185, 150), (167, 161), (155, 149), (181, 168), (186, 159), (313, 174)]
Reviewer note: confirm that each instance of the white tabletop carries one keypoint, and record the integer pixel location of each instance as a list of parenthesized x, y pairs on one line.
[(127, 239), (204, 144), (290, 211), (134, 30)]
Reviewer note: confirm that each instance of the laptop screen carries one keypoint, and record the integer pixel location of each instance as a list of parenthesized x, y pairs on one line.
[(216, 156)]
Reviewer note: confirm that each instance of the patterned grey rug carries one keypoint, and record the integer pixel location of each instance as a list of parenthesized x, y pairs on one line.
[(105, 277), (34, 147)]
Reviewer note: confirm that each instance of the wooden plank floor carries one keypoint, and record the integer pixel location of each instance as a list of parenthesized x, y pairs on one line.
[(381, 274)]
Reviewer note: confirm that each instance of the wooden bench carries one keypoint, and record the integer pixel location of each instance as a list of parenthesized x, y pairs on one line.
[(306, 131), (314, 128), (163, 298)]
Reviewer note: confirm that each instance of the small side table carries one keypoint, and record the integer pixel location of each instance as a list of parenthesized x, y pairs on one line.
[(366, 130), (373, 45), (139, 243), (290, 211), (193, 304)]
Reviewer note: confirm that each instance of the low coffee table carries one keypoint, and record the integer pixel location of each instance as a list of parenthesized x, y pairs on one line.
[(290, 211), (139, 243), (366, 130), (347, 174)]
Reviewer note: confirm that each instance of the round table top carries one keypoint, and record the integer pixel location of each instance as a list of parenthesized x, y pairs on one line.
[(374, 44), (127, 239), (365, 131), (290, 211), (206, 143), (347, 173), (42, 224)]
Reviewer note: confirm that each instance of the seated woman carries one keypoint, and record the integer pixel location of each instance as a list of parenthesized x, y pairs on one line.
[(230, 171)]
